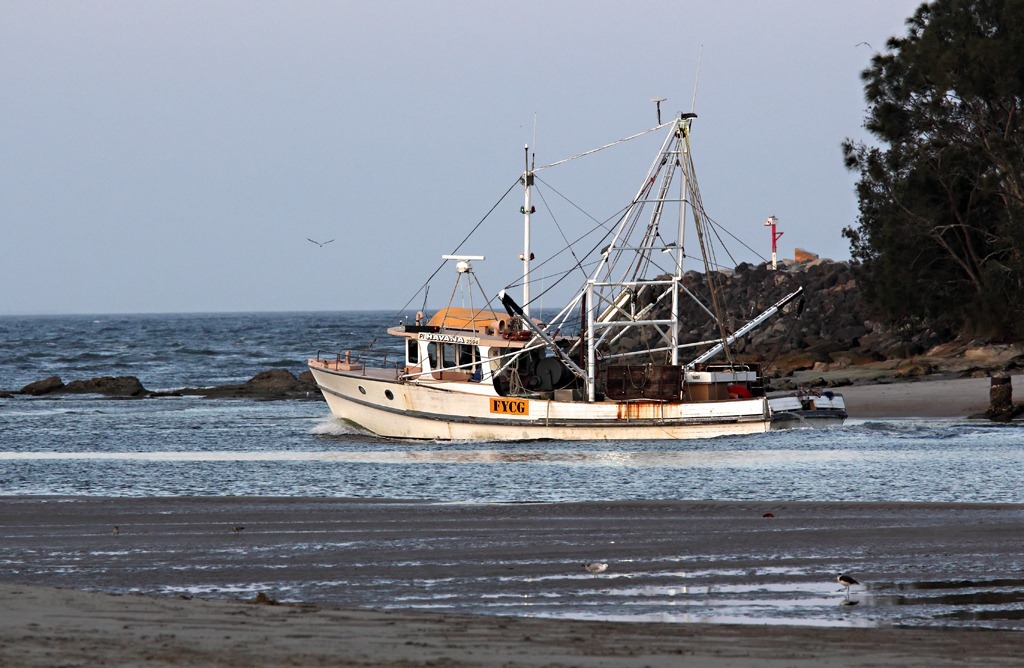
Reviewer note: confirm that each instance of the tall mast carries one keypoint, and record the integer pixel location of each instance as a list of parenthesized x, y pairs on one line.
[(682, 159), (526, 210)]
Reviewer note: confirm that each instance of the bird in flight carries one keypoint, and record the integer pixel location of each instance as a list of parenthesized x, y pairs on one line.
[(321, 245)]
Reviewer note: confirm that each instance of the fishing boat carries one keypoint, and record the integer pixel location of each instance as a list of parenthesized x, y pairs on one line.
[(611, 365)]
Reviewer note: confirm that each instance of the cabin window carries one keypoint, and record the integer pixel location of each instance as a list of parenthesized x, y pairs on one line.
[(412, 352), (465, 357), (447, 356), (454, 356), (441, 355)]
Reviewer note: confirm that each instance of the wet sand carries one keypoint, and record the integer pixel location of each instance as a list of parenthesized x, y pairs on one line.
[(50, 627), (884, 545)]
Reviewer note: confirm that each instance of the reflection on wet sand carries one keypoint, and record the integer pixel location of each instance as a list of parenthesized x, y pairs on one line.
[(667, 561)]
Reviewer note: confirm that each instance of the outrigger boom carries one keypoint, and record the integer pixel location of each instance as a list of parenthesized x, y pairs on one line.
[(745, 329)]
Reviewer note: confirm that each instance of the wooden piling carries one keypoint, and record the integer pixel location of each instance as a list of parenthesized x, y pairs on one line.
[(1000, 397)]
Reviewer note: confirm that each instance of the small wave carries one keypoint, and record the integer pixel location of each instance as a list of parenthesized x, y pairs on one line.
[(932, 429), (203, 352), (334, 427), (286, 364), (87, 355)]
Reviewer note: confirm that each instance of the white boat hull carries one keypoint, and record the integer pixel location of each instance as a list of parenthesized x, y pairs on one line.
[(376, 401)]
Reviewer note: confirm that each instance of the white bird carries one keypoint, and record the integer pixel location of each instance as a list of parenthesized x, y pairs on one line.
[(846, 581), (321, 245), (596, 567)]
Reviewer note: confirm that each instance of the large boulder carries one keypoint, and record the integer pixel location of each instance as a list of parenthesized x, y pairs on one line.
[(275, 382), (44, 386), (122, 386), (271, 384)]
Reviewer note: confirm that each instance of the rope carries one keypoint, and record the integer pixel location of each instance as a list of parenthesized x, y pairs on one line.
[(601, 148), (426, 284)]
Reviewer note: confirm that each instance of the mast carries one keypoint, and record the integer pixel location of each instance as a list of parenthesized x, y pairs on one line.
[(682, 130), (527, 209)]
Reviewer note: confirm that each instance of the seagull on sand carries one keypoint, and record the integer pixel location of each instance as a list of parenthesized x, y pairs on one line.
[(595, 567), (846, 581), (321, 245)]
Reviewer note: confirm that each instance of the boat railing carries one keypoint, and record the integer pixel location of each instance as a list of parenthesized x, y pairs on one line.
[(360, 360)]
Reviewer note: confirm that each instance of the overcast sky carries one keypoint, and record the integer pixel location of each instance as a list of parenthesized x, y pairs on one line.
[(175, 156)]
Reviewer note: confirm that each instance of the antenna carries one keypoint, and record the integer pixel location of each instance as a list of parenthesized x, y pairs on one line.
[(696, 79), (534, 142), (657, 101)]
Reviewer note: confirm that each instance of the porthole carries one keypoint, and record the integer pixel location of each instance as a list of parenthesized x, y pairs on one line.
[(389, 394), (362, 390)]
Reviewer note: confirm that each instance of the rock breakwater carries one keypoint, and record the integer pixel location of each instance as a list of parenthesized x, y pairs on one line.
[(828, 336)]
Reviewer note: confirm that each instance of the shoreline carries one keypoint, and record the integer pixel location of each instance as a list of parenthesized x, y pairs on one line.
[(871, 393), (53, 547)]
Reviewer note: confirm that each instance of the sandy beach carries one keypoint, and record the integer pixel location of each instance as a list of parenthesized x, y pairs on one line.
[(942, 398), (50, 547), (53, 615), (935, 398), (51, 627)]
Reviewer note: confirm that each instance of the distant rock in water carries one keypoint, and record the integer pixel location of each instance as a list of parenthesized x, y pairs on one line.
[(44, 386), (122, 386), (272, 384)]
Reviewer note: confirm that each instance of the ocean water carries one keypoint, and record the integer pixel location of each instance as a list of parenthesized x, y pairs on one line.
[(96, 446), (189, 445)]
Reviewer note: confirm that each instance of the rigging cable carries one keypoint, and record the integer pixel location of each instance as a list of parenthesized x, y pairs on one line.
[(565, 274), (601, 148), (426, 283), (568, 246), (698, 208)]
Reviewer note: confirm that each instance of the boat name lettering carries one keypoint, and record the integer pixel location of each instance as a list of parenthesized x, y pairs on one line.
[(449, 338), (510, 406)]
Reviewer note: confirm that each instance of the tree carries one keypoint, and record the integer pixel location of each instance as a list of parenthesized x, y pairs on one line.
[(940, 236)]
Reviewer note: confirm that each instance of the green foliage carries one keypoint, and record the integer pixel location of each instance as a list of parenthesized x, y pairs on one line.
[(940, 237)]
